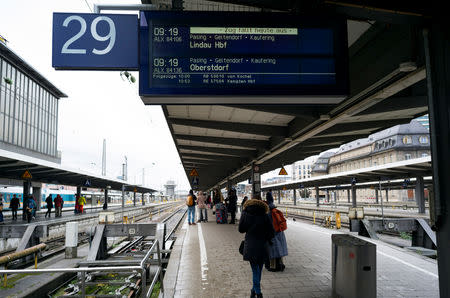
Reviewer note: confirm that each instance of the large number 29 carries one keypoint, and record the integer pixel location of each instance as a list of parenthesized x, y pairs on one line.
[(111, 35)]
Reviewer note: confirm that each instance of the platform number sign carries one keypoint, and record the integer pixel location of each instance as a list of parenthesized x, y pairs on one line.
[(95, 41)]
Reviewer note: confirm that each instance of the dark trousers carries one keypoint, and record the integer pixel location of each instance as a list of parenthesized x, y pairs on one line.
[(49, 212), (233, 217), (29, 215), (14, 213)]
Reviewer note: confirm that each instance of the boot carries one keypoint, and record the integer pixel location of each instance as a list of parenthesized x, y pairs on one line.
[(259, 295), (252, 294)]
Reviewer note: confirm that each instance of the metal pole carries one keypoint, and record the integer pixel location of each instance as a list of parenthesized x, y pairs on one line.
[(381, 200), (317, 197), (83, 284), (99, 7)]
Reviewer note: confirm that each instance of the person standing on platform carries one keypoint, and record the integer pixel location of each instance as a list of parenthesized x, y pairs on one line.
[(269, 197), (58, 205), (201, 202), (81, 203), (190, 202), (259, 232), (1, 208), (31, 209), (279, 248), (14, 205), (232, 205), (243, 202), (77, 206), (49, 202)]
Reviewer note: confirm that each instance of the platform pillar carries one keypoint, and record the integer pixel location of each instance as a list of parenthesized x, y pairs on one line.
[(37, 195), (105, 204), (348, 195), (279, 197), (295, 196), (26, 194), (387, 195), (143, 199), (376, 196), (317, 196), (437, 58), (134, 199), (79, 191), (328, 196), (420, 196), (256, 181), (123, 196), (353, 196)]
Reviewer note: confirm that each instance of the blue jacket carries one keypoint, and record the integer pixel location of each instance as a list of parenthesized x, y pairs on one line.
[(31, 204)]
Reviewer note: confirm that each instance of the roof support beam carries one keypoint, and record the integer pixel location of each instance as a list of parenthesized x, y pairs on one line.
[(237, 152), (256, 129), (305, 111), (225, 141)]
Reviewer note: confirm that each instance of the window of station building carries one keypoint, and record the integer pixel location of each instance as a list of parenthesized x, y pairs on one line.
[(407, 156), (423, 139), (407, 140), (424, 155), (392, 142)]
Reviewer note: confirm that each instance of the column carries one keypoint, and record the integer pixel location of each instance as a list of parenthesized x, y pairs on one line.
[(295, 196), (106, 198), (256, 181), (327, 196), (143, 200), (134, 198), (279, 197), (348, 195), (376, 196), (420, 196), (123, 196), (79, 191), (353, 196), (387, 195), (317, 196), (26, 194), (437, 57), (37, 195)]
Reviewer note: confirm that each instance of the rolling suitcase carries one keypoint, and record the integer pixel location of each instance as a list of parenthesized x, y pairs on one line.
[(221, 213)]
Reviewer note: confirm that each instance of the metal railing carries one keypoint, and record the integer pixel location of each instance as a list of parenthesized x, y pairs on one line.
[(83, 270)]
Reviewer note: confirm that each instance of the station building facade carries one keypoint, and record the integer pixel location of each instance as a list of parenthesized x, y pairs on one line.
[(398, 143), (28, 109)]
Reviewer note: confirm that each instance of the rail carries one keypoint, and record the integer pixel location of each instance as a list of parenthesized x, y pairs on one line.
[(83, 270)]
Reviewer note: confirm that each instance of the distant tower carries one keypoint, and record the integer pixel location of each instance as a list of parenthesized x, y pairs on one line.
[(104, 158), (170, 188)]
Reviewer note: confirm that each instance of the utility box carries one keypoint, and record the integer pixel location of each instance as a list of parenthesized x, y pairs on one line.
[(354, 263), (106, 217)]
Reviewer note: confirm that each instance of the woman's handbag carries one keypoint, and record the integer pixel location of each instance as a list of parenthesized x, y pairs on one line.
[(241, 247)]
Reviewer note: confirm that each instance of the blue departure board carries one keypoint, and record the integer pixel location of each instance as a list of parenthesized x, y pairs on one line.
[(228, 54)]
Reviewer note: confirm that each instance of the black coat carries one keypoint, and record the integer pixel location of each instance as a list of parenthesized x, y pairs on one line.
[(232, 203), (259, 231)]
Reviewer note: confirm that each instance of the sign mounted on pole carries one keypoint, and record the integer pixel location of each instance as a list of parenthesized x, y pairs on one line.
[(193, 173), (242, 57), (26, 175), (282, 171), (95, 41), (87, 182)]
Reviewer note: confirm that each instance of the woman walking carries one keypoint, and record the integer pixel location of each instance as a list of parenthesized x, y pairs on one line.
[(201, 202), (259, 231)]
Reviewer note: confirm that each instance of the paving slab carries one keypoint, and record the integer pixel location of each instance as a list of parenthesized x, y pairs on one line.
[(206, 263)]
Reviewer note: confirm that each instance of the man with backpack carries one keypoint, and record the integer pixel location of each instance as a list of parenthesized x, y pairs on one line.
[(190, 202), (278, 249)]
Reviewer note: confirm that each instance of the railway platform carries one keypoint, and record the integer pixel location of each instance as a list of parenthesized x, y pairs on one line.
[(205, 262)]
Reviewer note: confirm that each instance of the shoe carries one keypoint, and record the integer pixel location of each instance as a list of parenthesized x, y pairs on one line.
[(190, 224), (194, 223), (259, 295), (252, 294)]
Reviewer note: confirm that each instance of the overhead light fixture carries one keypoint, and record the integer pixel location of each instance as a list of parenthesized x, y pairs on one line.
[(407, 66)]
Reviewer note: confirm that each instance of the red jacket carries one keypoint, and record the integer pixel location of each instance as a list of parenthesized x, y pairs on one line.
[(58, 201)]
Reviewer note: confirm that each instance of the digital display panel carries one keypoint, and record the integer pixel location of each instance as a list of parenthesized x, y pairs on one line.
[(227, 54)]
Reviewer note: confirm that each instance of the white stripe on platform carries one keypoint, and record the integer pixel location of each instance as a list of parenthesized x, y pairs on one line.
[(203, 256)]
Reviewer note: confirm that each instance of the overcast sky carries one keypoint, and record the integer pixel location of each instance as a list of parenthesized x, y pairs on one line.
[(99, 104)]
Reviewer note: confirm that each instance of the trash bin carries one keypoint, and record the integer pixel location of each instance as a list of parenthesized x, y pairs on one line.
[(354, 263)]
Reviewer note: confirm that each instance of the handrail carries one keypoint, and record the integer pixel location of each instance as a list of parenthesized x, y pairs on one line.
[(83, 270)]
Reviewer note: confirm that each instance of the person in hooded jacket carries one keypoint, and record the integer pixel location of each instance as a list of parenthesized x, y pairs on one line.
[(258, 229), (278, 249), (232, 205), (269, 196)]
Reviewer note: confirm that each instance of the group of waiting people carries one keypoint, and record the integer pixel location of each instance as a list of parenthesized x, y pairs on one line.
[(265, 242), (59, 203), (29, 207)]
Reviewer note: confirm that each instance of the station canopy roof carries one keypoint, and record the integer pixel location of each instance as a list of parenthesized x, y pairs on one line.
[(14, 165), (392, 174), (387, 87)]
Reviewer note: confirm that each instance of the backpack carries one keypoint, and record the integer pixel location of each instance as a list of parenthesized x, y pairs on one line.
[(190, 201), (279, 222)]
